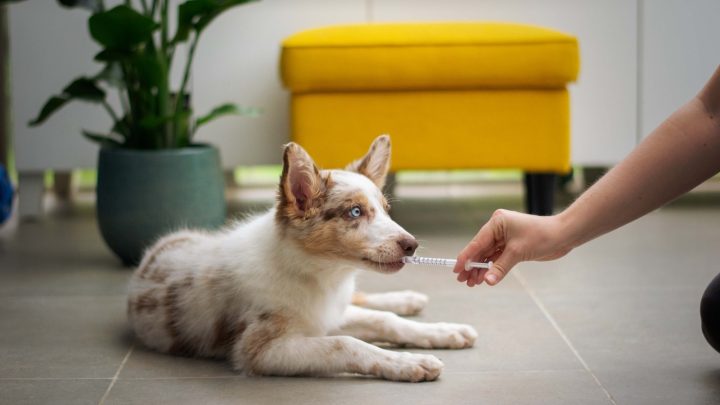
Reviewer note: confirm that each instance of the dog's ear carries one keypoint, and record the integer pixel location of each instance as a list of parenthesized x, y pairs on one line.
[(376, 163), (301, 186)]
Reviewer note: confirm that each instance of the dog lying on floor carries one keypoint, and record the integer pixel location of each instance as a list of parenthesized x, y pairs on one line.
[(273, 293)]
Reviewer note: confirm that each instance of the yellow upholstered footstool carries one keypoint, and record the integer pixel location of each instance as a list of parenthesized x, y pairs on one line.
[(451, 95)]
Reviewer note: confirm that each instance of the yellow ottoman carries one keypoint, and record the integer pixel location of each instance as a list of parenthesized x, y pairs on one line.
[(451, 96)]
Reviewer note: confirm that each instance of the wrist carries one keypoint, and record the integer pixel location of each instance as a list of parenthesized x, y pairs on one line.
[(566, 231)]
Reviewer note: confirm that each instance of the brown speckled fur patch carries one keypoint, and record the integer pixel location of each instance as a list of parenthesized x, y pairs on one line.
[(268, 327), (144, 302), (173, 313), (227, 332)]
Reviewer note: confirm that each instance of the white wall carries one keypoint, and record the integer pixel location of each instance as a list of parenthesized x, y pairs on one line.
[(48, 48), (640, 59), (238, 60), (680, 49)]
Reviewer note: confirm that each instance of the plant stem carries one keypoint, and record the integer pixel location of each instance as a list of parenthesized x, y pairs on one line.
[(135, 108), (124, 99), (125, 89), (110, 111), (152, 10), (145, 6), (188, 64), (163, 89), (164, 24)]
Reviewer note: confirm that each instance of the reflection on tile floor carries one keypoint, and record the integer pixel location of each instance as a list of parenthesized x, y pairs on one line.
[(614, 321)]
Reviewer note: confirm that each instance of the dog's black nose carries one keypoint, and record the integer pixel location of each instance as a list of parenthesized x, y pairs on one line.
[(408, 245)]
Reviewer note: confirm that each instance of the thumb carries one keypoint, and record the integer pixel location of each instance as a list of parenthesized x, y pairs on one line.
[(500, 268)]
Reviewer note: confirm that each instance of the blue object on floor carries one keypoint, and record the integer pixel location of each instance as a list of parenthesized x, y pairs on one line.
[(6, 195)]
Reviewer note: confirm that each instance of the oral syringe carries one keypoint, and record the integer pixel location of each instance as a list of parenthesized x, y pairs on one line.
[(434, 261)]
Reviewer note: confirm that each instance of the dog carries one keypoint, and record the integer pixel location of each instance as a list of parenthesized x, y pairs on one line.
[(275, 293)]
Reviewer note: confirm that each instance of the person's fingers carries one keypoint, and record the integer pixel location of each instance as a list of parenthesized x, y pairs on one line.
[(482, 245), (501, 267), (494, 256), (476, 277), (472, 278), (462, 258)]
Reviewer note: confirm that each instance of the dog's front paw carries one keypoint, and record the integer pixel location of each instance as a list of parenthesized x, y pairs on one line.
[(400, 302), (445, 336), (411, 367)]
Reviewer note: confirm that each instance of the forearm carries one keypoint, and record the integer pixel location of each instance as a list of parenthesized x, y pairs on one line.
[(677, 156)]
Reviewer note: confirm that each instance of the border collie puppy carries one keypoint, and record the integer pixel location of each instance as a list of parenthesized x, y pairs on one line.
[(275, 293)]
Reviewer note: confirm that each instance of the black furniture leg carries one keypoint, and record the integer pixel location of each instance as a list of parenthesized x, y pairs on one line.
[(540, 193)]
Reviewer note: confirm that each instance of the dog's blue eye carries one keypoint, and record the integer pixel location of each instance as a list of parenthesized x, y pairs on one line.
[(355, 212)]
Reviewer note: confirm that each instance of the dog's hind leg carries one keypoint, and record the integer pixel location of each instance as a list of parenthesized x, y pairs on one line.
[(400, 302), (291, 355), (381, 326)]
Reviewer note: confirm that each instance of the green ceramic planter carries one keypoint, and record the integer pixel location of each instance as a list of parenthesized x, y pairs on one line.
[(142, 195)]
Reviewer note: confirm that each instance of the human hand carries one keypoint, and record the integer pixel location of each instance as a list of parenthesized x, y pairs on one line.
[(509, 238)]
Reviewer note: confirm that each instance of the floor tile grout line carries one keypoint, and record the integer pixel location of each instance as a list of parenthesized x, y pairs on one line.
[(562, 334), (117, 374)]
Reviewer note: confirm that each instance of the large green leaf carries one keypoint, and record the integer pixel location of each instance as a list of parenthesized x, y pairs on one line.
[(221, 6), (103, 140), (197, 14), (225, 109), (187, 12), (52, 105), (84, 88), (122, 127), (92, 5), (148, 69), (121, 28), (114, 55)]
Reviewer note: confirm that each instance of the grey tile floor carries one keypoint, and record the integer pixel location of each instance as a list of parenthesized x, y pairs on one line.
[(616, 321)]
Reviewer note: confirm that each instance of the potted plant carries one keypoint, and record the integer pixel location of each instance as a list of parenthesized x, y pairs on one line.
[(152, 177)]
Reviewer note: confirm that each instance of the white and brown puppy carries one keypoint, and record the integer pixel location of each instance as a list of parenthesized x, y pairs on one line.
[(273, 294)]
